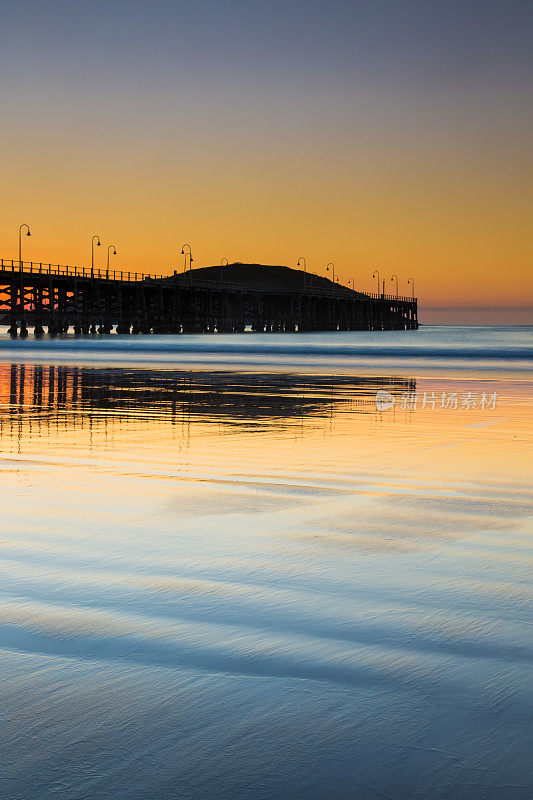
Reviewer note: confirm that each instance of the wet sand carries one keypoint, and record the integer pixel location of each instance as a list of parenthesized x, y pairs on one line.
[(224, 584)]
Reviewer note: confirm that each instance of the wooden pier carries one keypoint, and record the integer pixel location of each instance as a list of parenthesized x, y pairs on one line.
[(54, 299)]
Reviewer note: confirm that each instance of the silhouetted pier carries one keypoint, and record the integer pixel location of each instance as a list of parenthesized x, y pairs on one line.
[(91, 301)]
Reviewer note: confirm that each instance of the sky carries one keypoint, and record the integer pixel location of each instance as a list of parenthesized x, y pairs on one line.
[(386, 134)]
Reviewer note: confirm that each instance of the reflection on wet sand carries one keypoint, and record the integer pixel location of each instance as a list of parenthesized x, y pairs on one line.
[(263, 398), (263, 578)]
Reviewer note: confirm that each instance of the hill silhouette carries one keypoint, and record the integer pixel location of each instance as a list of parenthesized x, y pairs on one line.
[(265, 276)]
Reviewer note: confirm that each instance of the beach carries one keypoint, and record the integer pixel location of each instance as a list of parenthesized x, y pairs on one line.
[(264, 566)]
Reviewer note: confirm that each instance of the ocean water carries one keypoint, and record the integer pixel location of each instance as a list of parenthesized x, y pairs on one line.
[(267, 566), (444, 348)]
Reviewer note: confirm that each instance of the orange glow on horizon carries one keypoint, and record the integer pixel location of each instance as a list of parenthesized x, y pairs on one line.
[(460, 248)]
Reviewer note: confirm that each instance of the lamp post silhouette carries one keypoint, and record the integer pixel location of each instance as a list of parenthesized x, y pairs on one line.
[(23, 329), (374, 274), (92, 251), (223, 265), (303, 258), (20, 241), (353, 283), (332, 265), (412, 282), (114, 253), (395, 277), (186, 253)]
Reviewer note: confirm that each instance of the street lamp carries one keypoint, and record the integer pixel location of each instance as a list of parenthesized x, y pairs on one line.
[(23, 329), (395, 277), (376, 272), (186, 253), (353, 283), (92, 250), (332, 265), (109, 246), (412, 282), (223, 265), (303, 258), (20, 242)]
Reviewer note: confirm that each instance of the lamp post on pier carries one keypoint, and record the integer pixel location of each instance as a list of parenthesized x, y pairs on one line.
[(223, 265), (109, 247), (352, 280), (298, 263), (332, 265), (412, 282), (92, 251), (186, 253), (20, 241), (374, 275), (395, 277), (23, 329)]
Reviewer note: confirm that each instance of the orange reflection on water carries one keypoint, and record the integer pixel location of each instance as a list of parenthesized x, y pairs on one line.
[(215, 422)]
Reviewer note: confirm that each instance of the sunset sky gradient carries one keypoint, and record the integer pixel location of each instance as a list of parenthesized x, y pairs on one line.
[(391, 135)]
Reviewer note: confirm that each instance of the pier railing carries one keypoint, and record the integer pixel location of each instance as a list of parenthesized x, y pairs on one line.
[(183, 279), (36, 267)]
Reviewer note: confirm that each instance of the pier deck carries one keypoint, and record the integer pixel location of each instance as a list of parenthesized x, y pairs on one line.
[(98, 300)]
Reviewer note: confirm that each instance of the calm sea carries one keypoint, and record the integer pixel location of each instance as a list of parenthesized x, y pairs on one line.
[(267, 566)]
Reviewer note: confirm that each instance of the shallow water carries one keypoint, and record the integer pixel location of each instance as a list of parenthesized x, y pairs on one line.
[(262, 581), (452, 349)]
